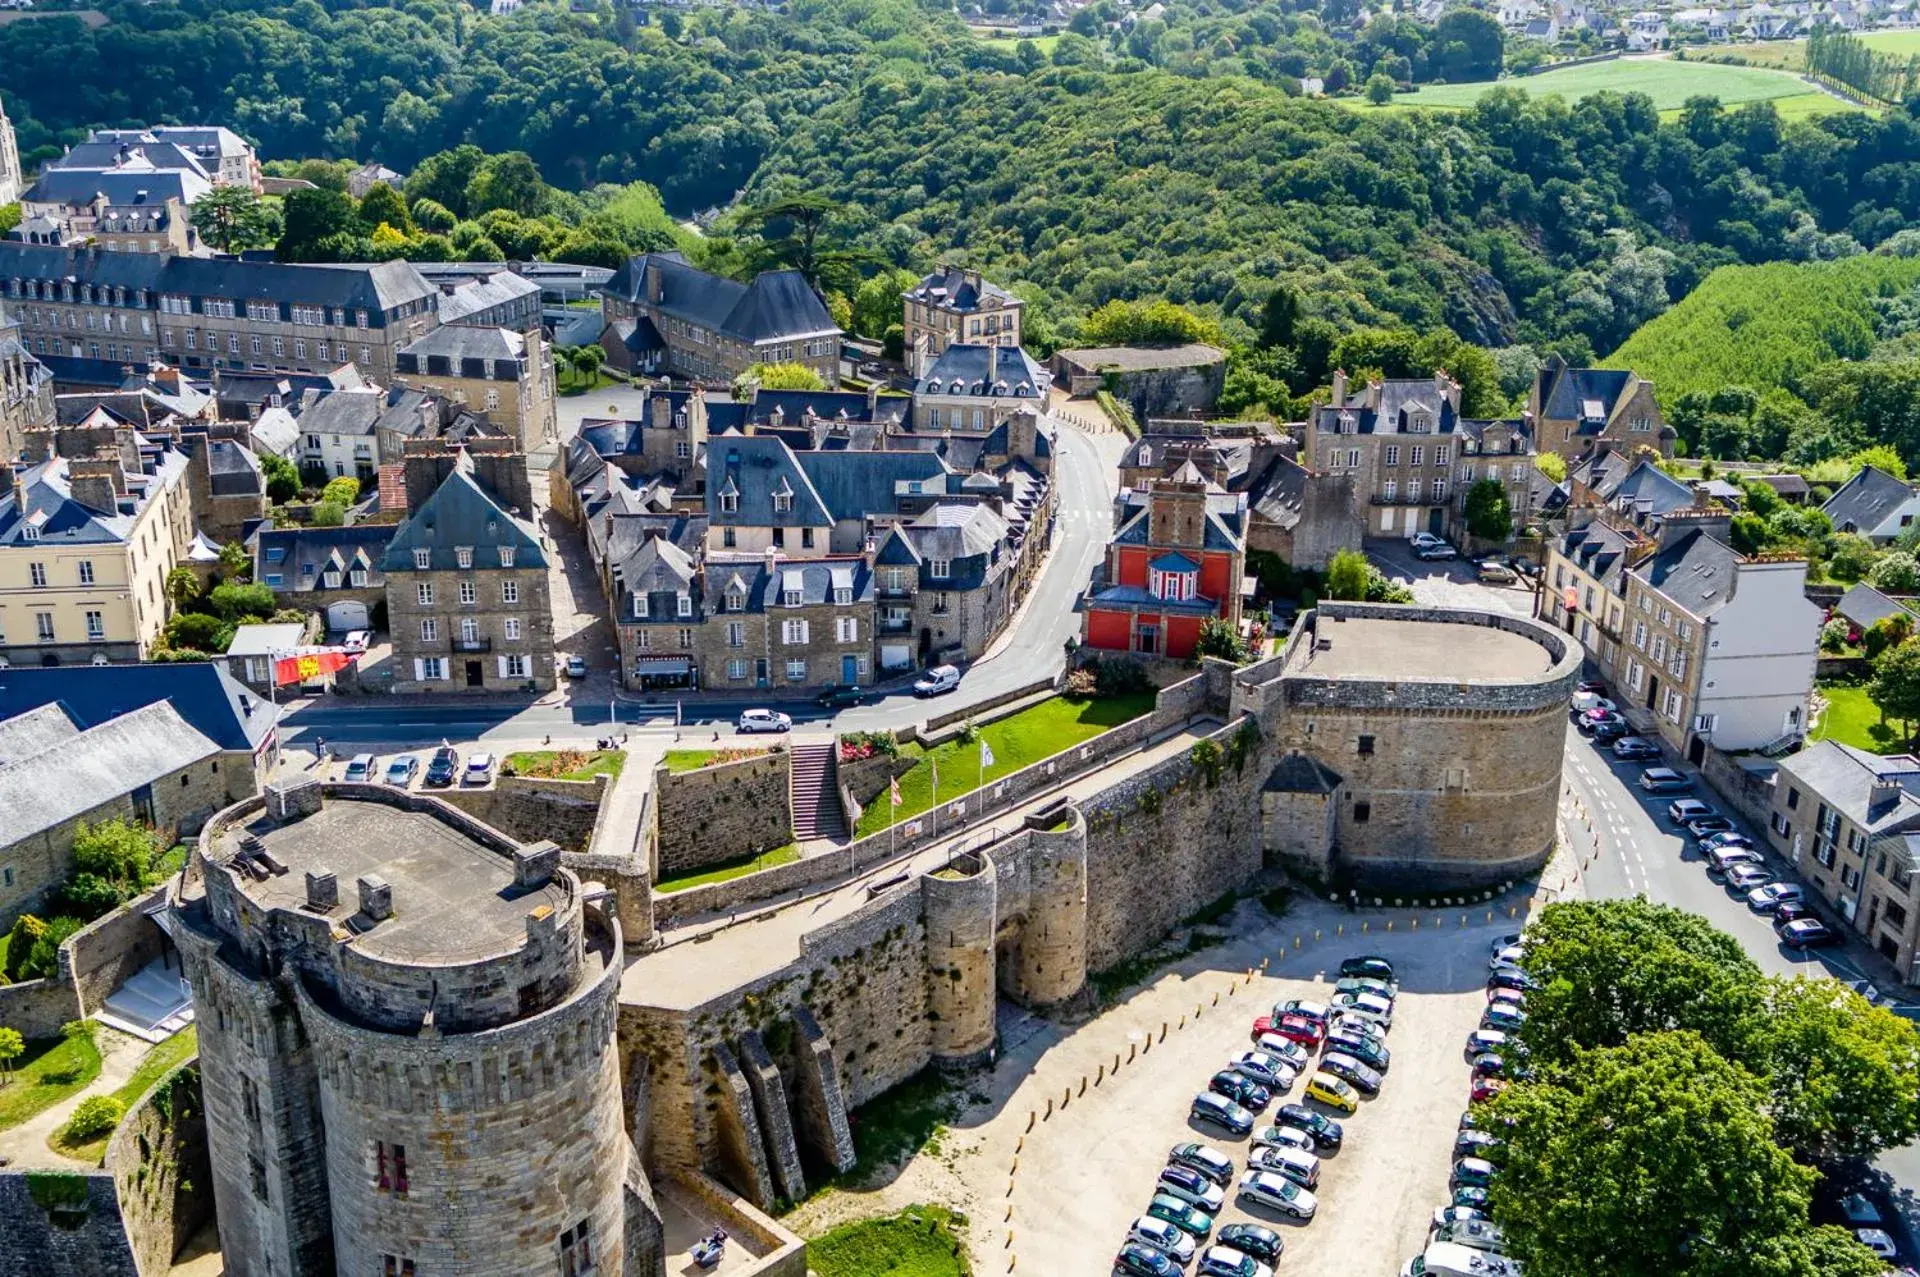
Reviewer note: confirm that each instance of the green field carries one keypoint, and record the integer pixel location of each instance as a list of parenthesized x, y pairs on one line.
[(728, 869), (1043, 43), (921, 1241), (1668, 82), (1851, 718), (1792, 54)]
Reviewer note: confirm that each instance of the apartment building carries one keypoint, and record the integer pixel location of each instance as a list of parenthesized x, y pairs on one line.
[(503, 374), (204, 314), (1850, 823), (664, 315), (484, 296), (222, 156), (128, 208), (954, 305), (793, 623), (85, 548), (1398, 440), (971, 389)]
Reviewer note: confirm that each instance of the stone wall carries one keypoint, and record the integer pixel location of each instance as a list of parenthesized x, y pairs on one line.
[(530, 808), (722, 812), (73, 1229), (1748, 792), (37, 1008), (865, 779), (100, 956), (162, 1170)]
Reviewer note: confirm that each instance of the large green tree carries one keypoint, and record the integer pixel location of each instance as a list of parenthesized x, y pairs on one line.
[(1844, 1074), (316, 222), (1348, 574), (1895, 689), (1489, 513), (231, 219)]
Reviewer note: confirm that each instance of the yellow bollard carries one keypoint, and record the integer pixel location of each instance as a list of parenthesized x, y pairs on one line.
[(1131, 1047), (1364, 928), (1011, 1260), (1066, 1099), (1316, 934), (1049, 1113), (1296, 942), (1009, 1214), (1389, 924), (1263, 965), (1116, 1063), (1013, 1169), (1029, 1119), (1183, 1022), (1018, 1144), (1463, 919), (1083, 1084), (1100, 1076), (1489, 915), (1163, 1030), (1009, 1242), (1216, 999)]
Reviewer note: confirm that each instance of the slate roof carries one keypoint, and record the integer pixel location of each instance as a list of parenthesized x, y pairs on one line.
[(1697, 572), (1139, 596), (1647, 489), (763, 580), (459, 342), (1787, 485), (847, 405), (27, 734), (462, 513), (365, 411), (1226, 518), (483, 292), (1866, 606), (996, 372), (1299, 774), (128, 149), (1278, 495), (290, 552), (58, 519), (857, 485), (1867, 500), (753, 468), (1600, 552), (210, 700), (122, 188), (209, 140), (570, 325), (73, 776), (777, 304), (1585, 395), (376, 287), (1400, 401), (951, 289), (1843, 777), (232, 470), (967, 536)]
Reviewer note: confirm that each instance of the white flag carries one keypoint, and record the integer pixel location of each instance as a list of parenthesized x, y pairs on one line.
[(986, 754)]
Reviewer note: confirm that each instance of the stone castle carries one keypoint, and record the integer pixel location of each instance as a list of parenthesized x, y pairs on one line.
[(429, 1048)]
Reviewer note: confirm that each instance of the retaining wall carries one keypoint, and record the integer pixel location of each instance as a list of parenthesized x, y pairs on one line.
[(77, 1237), (1749, 795), (100, 956), (530, 808), (162, 1170), (723, 812), (37, 1008)]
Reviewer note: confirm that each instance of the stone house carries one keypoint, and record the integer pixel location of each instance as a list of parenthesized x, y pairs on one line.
[(952, 305), (339, 573), (1501, 450), (650, 570), (128, 207), (26, 390), (1178, 559), (1575, 409), (945, 585), (971, 389), (1397, 439), (664, 315), (504, 375), (355, 432), (467, 592), (1303, 517), (794, 623), (1873, 504), (1153, 381), (220, 154), (1848, 821)]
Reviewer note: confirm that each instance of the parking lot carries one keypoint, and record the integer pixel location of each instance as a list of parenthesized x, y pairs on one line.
[(1089, 1170), (1447, 582)]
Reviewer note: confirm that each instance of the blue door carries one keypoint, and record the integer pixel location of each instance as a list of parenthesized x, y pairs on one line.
[(849, 670)]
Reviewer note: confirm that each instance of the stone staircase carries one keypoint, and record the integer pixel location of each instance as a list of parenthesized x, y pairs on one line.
[(815, 794), (152, 1005)]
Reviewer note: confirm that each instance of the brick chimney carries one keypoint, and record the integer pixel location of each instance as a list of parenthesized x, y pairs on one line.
[(1176, 513), (97, 482), (501, 469), (652, 282), (427, 463)]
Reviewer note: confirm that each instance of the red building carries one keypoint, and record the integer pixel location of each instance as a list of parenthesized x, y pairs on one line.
[(1178, 558)]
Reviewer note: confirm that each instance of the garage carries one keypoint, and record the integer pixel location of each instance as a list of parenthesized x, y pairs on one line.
[(347, 615), (896, 656)]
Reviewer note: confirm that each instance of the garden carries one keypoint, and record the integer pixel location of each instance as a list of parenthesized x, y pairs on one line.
[(565, 764), (36, 1075), (113, 861)]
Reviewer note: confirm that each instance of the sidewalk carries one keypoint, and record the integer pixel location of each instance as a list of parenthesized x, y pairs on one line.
[(25, 1146)]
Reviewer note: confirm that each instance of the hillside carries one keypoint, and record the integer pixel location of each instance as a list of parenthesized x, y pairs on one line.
[(1668, 82), (1764, 326)]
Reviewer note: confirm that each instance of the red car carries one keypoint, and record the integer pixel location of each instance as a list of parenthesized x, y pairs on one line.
[(1294, 1028), (1485, 1088)]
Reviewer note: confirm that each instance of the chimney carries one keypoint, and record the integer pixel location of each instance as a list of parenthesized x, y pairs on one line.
[(20, 488), (323, 890), (1339, 388), (659, 412), (425, 465), (96, 482), (1885, 791), (873, 399), (653, 282), (376, 897), (448, 287)]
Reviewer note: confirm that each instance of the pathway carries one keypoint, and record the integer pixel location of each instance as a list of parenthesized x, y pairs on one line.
[(25, 1145)]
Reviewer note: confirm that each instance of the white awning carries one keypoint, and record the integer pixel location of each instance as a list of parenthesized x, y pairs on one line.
[(662, 665)]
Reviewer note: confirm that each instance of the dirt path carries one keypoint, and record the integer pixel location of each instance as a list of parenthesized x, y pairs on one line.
[(25, 1145)]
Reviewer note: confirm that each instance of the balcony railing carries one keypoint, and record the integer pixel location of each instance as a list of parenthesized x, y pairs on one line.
[(1405, 498), (473, 645)]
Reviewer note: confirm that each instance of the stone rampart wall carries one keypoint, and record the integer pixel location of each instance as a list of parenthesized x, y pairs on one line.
[(723, 812), (531, 808), (37, 1008), (72, 1230), (162, 1170)]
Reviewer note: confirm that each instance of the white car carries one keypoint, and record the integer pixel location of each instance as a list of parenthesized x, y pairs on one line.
[(1275, 1193), (1879, 1241), (1225, 1261), (1367, 1006), (1420, 540), (763, 720), (1508, 959), (937, 681), (479, 769), (1283, 1137), (1291, 1053), (1163, 1237), (357, 641), (1269, 1071), (1584, 701)]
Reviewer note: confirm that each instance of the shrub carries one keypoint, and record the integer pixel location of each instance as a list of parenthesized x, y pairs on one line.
[(1118, 676), (1082, 684), (43, 956), (93, 1116), (343, 491), (1833, 635), (242, 602), (197, 630), (89, 896), (329, 514), (26, 930)]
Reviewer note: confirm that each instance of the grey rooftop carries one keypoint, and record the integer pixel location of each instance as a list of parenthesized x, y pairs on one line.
[(1419, 651)]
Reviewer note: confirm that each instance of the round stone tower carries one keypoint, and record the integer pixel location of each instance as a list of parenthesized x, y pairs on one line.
[(960, 904), (1053, 942)]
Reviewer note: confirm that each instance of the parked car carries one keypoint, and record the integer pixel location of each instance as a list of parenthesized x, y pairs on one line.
[(1513, 980), (1708, 826), (479, 769), (1513, 959), (1284, 1137), (1475, 1234), (1419, 539), (1369, 1051), (1444, 1215), (1503, 1017), (1590, 702), (762, 720), (1434, 550), (1225, 1261), (1770, 897), (1276, 1193), (1304, 1006), (1879, 1241), (937, 681), (1665, 780), (1725, 838), (576, 667), (1369, 967), (1593, 720), (1191, 1187), (403, 769), (1187, 1219), (1471, 1198), (1474, 1143), (1480, 1041), (1485, 1088), (1218, 1110), (1494, 573), (1791, 911), (360, 769), (1349, 1023), (1725, 858), (1157, 1233), (1634, 748), (444, 767), (357, 641), (1244, 1091), (1366, 1004), (1333, 1093), (1806, 933), (841, 697), (1302, 1167), (1512, 999), (1474, 1172), (1492, 1064), (1684, 811), (1326, 1132), (1744, 878), (1367, 984), (1348, 1069), (1269, 1071), (1289, 1052), (1298, 1028), (1210, 1162), (1137, 1260), (1612, 727), (1252, 1239)]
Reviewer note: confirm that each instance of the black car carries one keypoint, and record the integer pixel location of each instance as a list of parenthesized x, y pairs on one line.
[(1634, 747), (1325, 1131), (1243, 1091), (1516, 980), (1364, 1049), (841, 697), (1612, 727), (444, 769), (1790, 911), (1137, 1260), (1252, 1239), (1367, 968)]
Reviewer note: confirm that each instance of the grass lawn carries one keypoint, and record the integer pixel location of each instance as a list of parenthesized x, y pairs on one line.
[(154, 1065), (568, 764), (50, 1071), (1667, 82), (921, 1241), (1043, 43), (692, 760), (1019, 740), (1852, 719), (1802, 106), (729, 869), (572, 383)]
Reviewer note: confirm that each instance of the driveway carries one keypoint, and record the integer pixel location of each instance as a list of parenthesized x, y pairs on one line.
[(1447, 582)]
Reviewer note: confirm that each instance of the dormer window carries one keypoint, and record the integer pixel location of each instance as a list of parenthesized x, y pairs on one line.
[(506, 556), (333, 578), (463, 556), (736, 601), (1175, 585), (640, 604), (423, 559), (1146, 455), (684, 603), (783, 497), (729, 498), (843, 596), (939, 569), (30, 533), (1348, 424)]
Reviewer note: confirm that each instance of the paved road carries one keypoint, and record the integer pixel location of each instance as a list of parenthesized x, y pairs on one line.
[(1086, 473)]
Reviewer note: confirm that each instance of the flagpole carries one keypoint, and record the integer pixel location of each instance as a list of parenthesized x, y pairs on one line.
[(933, 813)]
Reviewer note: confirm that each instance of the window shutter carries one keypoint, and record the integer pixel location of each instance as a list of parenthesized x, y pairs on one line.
[(503, 665), (419, 670), (803, 631)]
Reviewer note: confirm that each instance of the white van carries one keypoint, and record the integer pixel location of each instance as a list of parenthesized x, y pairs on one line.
[(1445, 1259)]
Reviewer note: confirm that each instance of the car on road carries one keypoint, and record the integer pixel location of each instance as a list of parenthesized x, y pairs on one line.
[(1665, 780), (1634, 749), (1244, 1091), (1188, 1219), (1744, 878), (1276, 1193), (1326, 1132), (1434, 553), (1590, 702), (1298, 1165), (1284, 1137), (1369, 967), (1503, 1016), (1770, 897), (1807, 933), (1593, 720), (1348, 1069), (360, 769), (1684, 811), (1289, 1052), (444, 767), (841, 697), (1333, 1093), (576, 667), (1191, 1187), (1367, 1005), (1444, 1215), (1150, 1230), (1253, 1239), (1367, 1050), (403, 769), (1225, 1261), (1474, 1143), (1210, 1162), (1218, 1110), (1137, 1260), (1269, 1071), (479, 769), (762, 720), (1491, 572), (1612, 727), (937, 681), (357, 641), (1473, 1172)]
